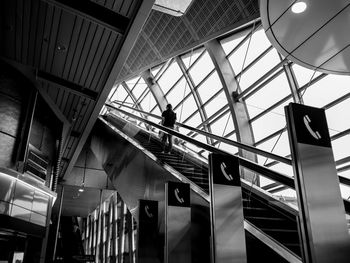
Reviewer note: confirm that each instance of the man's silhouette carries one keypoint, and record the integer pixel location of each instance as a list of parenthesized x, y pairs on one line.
[(168, 120)]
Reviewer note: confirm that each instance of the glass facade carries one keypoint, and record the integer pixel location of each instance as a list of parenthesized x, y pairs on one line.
[(267, 83)]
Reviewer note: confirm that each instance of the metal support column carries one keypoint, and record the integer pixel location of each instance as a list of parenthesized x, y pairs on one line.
[(238, 109), (58, 224)]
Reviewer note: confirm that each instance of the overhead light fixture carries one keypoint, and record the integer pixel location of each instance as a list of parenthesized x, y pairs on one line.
[(81, 189), (299, 7)]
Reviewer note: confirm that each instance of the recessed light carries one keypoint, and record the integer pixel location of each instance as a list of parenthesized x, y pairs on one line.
[(299, 7)]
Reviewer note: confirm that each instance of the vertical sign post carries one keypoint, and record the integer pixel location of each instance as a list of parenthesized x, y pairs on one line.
[(321, 208), (147, 233), (177, 223), (227, 225)]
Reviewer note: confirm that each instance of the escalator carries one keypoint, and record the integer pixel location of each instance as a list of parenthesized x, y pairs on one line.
[(272, 218)]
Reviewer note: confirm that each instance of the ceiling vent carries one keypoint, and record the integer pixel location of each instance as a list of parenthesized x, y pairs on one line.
[(171, 7)]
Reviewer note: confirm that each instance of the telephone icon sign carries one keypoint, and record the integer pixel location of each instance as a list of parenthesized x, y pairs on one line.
[(223, 170), (148, 213), (180, 199), (313, 133)]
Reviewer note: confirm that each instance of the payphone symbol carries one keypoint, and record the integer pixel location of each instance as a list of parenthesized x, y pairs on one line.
[(180, 199), (223, 170), (313, 133), (148, 213)]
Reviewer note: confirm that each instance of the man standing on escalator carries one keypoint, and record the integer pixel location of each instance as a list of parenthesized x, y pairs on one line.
[(168, 120)]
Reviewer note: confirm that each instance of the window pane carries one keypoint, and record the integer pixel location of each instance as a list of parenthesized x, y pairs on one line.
[(148, 102), (260, 68), (338, 117), (191, 57), (274, 91), (120, 94), (218, 126), (178, 93), (269, 123), (229, 43), (194, 121), (202, 68), (169, 77), (341, 147), (326, 90), (186, 109), (213, 106), (258, 44), (155, 70), (139, 88), (304, 75), (209, 87), (132, 82)]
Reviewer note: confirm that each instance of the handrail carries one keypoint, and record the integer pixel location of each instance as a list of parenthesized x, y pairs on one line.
[(281, 178), (278, 177), (216, 137)]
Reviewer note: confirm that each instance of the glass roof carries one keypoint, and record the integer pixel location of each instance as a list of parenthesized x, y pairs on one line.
[(198, 96)]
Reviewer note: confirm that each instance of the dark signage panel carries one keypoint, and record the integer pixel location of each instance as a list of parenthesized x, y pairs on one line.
[(178, 194), (310, 125), (225, 169), (148, 211)]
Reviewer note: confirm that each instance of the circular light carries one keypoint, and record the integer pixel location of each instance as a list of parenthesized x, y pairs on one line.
[(299, 7)]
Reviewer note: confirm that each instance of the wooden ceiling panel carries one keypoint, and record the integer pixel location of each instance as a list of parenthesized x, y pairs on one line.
[(105, 62), (62, 43)]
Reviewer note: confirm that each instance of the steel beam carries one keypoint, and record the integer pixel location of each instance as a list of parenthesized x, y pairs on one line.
[(67, 85), (197, 98), (129, 41), (238, 109)]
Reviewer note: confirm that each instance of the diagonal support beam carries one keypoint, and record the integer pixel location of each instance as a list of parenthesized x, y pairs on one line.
[(95, 12), (136, 26), (67, 85)]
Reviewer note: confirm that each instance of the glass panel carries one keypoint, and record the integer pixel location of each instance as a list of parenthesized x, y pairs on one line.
[(139, 88), (304, 75), (112, 91), (209, 87), (338, 122), (260, 68), (229, 43), (283, 169), (177, 94), (212, 106), (274, 91), (218, 126), (194, 121), (341, 147), (269, 123), (120, 94), (258, 44), (169, 77), (132, 82), (191, 56), (155, 70), (277, 145), (186, 109), (326, 90), (201, 68), (148, 102), (5, 208), (227, 147)]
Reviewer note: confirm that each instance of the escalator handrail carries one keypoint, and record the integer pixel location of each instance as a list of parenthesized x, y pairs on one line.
[(273, 175), (278, 177), (215, 137)]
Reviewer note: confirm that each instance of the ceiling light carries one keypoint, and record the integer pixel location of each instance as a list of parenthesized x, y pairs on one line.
[(81, 189), (299, 7)]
